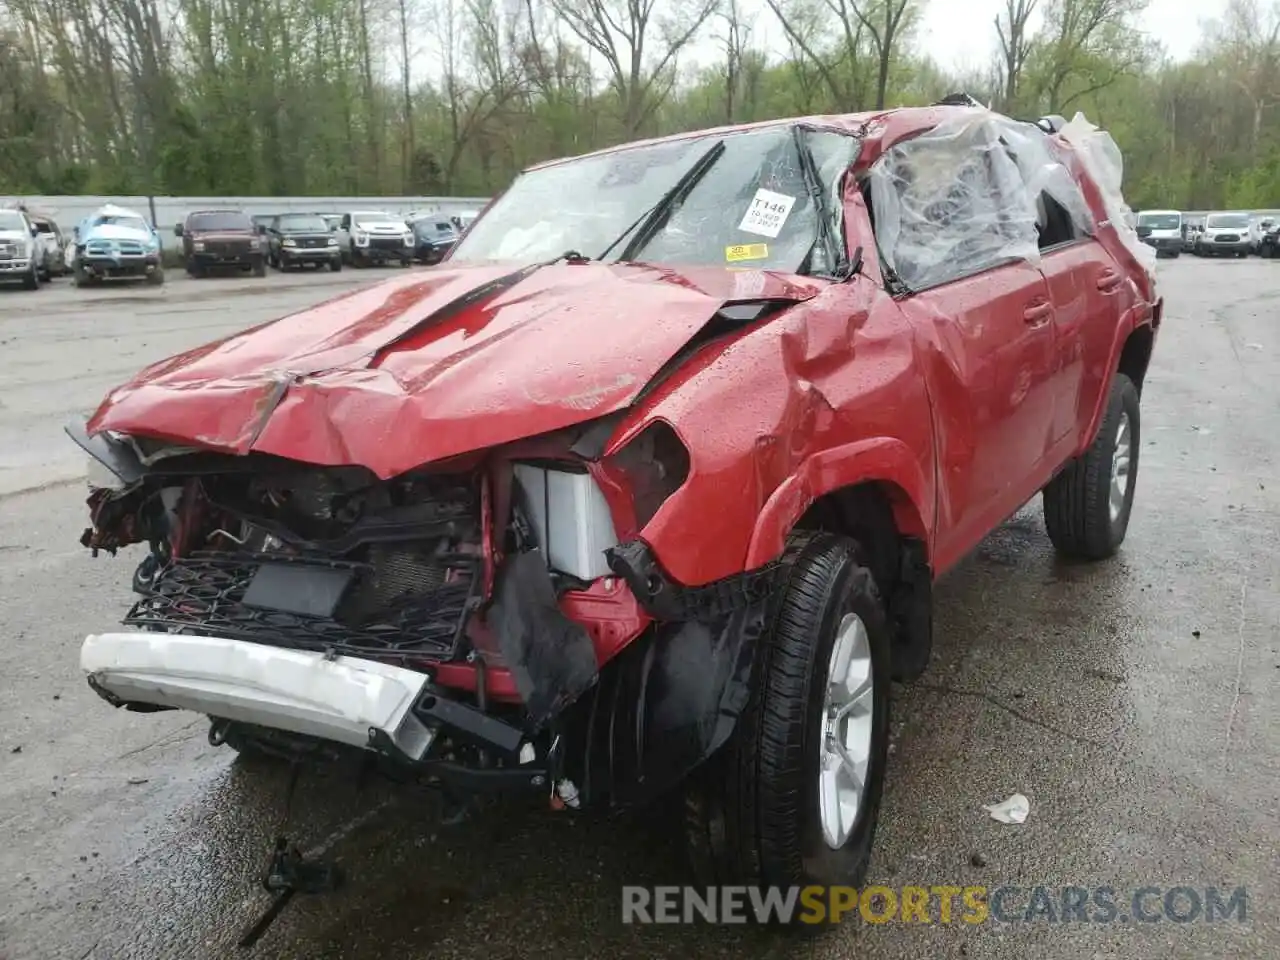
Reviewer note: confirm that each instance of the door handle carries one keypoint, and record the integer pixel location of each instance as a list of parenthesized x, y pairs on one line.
[(1108, 280), (1037, 313)]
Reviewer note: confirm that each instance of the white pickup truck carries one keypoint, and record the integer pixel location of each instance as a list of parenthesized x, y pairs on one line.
[(374, 236)]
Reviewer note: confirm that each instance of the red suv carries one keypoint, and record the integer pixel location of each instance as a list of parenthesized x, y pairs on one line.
[(645, 487)]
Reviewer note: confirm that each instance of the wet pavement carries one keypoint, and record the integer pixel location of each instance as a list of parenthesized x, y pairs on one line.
[(1136, 703)]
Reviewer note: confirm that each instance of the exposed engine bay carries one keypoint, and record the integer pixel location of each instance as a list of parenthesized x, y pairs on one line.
[(500, 590)]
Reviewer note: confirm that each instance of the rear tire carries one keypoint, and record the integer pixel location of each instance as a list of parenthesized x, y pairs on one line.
[(1087, 506), (754, 813)]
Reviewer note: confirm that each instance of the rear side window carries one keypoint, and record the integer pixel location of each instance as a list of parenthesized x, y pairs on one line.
[(949, 204)]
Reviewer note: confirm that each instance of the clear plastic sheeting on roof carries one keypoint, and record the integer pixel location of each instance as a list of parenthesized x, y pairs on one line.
[(1039, 160), (1102, 160), (966, 196), (951, 202)]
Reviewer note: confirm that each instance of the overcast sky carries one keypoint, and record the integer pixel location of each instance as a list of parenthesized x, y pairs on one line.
[(961, 33)]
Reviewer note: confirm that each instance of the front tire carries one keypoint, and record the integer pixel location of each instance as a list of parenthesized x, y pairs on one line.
[(1087, 506), (794, 797), (32, 279), (259, 268)]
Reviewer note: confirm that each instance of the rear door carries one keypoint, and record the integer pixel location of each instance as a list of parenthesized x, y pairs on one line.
[(1089, 294), (984, 325)]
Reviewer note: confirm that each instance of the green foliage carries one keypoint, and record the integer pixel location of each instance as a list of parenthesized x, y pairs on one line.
[(304, 97)]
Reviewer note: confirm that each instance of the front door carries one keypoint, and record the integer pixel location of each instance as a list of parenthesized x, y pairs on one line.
[(984, 325)]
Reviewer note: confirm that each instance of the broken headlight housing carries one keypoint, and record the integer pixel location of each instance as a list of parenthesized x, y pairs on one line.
[(651, 467)]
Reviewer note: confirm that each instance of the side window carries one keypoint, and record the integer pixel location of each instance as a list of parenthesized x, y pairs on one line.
[(949, 204), (1062, 214), (1054, 223)]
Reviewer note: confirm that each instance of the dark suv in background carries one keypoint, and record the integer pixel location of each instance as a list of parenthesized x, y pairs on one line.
[(220, 239), (299, 239), (434, 235)]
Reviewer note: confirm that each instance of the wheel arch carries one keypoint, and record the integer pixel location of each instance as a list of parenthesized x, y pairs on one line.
[(1131, 355), (880, 474), (876, 493)]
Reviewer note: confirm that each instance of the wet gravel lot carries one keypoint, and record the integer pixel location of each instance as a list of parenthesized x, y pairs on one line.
[(1135, 703)]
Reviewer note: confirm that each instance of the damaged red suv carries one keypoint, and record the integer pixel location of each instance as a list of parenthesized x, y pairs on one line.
[(646, 486)]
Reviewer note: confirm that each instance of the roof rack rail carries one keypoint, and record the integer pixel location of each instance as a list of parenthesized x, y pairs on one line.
[(959, 99), (1051, 123)]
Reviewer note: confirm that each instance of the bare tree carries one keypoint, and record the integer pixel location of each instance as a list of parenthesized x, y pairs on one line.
[(1013, 31), (1249, 47), (808, 25), (621, 32), (885, 25), (406, 92), (1094, 41), (734, 36)]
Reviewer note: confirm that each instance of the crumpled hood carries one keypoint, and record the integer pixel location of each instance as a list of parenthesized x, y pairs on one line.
[(116, 231), (428, 366)]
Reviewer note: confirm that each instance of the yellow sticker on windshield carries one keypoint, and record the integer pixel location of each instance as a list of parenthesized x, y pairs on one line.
[(746, 251)]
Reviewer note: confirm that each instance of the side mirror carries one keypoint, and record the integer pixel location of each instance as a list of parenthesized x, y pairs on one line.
[(35, 231), (177, 229)]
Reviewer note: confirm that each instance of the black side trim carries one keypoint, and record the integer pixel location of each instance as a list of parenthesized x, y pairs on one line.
[(664, 599), (551, 656)]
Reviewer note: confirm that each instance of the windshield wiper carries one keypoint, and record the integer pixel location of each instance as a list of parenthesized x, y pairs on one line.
[(813, 180), (649, 221)]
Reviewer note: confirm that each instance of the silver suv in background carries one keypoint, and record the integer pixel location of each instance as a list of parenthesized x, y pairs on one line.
[(21, 252)]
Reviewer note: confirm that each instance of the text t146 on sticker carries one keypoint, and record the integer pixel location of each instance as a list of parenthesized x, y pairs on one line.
[(767, 213)]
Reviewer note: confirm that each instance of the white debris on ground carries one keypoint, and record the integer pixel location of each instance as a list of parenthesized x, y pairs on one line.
[(1013, 810)]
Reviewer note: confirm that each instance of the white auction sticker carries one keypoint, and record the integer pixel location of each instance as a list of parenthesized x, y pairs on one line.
[(767, 213)]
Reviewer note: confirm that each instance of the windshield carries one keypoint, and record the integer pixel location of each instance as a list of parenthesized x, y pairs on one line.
[(374, 217), (1160, 221), (750, 208), (430, 226), (1228, 220), (9, 220), (303, 222), (132, 223), (219, 221)]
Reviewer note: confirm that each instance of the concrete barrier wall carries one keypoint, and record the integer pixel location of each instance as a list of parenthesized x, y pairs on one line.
[(68, 211)]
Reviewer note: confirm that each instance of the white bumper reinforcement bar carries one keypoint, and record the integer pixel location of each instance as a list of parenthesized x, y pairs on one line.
[(339, 699)]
